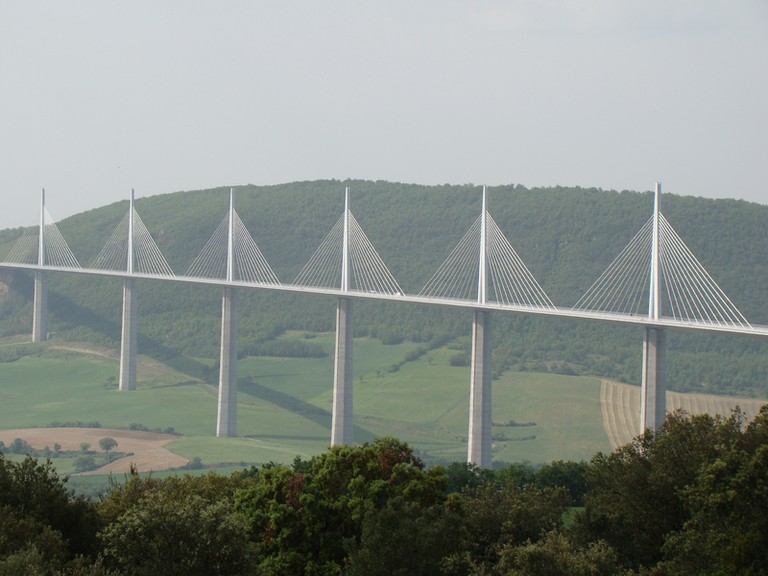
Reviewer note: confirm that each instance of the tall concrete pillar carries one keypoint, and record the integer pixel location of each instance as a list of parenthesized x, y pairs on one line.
[(128, 341), (653, 401), (341, 423), (40, 305), (40, 308), (480, 417), (653, 395), (226, 424)]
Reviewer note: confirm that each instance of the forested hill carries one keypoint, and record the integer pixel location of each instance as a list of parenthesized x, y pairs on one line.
[(566, 236)]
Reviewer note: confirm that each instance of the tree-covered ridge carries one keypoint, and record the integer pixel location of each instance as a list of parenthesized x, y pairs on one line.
[(687, 499), (566, 237)]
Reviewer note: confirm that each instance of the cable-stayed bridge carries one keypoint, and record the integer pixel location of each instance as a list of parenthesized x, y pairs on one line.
[(655, 282)]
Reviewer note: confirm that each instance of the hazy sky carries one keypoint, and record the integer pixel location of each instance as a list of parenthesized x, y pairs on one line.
[(98, 96)]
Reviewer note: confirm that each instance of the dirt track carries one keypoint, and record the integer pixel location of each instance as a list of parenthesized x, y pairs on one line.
[(149, 452)]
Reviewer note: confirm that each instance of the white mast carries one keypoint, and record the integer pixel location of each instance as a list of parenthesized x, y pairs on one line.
[(231, 238), (41, 239), (130, 235), (482, 283), (345, 245), (654, 299)]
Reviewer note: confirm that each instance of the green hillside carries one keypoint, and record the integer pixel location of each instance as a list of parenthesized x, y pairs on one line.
[(566, 236), (284, 404)]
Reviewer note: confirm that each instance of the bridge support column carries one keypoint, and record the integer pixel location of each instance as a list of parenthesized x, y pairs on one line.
[(128, 341), (341, 423), (653, 401), (480, 417), (40, 310), (226, 424)]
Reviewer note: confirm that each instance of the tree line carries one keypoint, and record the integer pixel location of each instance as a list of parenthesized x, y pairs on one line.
[(687, 499)]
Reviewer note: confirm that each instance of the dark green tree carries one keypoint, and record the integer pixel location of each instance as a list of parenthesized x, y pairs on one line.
[(306, 517), (461, 475), (108, 444), (568, 475), (85, 463), (184, 536), (177, 525), (500, 514), (38, 512), (636, 496), (727, 504), (556, 555), (405, 539)]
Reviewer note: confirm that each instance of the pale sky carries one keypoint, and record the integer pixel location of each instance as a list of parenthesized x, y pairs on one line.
[(98, 97)]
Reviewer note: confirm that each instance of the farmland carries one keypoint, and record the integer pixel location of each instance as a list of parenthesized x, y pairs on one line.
[(284, 405)]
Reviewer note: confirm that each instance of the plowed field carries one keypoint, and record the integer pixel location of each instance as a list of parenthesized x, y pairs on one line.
[(148, 448), (621, 408)]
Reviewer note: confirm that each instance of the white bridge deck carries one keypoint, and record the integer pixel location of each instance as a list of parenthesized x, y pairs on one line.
[(561, 312)]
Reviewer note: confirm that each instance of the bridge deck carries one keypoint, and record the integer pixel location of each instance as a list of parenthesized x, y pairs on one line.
[(562, 312)]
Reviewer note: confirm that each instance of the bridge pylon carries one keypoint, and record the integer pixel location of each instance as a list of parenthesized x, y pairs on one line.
[(40, 306), (128, 339), (226, 420), (132, 249), (342, 415), (653, 394), (484, 268), (232, 255), (675, 286), (479, 446), (346, 260), (480, 384), (43, 247)]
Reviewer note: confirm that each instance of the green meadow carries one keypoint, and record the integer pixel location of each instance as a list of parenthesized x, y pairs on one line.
[(284, 404)]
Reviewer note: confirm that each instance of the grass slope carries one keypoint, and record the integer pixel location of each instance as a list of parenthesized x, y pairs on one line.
[(284, 405)]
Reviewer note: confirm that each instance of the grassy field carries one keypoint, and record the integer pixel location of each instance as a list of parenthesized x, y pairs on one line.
[(284, 405)]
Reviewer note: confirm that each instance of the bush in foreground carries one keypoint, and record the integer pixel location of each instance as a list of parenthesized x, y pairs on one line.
[(687, 499)]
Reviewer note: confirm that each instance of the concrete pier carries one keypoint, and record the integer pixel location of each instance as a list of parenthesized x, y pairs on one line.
[(341, 423), (226, 424), (40, 308), (653, 394), (40, 305), (480, 417), (128, 341), (653, 401)]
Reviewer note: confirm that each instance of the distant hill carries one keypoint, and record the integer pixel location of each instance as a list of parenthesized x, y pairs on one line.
[(566, 236)]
